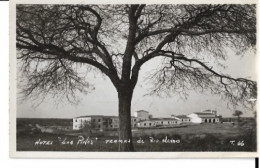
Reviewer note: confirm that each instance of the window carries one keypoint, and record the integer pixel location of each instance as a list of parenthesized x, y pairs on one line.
[(144, 124), (99, 126), (150, 124), (75, 120), (168, 122), (99, 120), (94, 120), (162, 122)]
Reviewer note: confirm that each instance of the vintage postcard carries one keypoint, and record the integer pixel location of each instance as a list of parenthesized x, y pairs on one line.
[(133, 79)]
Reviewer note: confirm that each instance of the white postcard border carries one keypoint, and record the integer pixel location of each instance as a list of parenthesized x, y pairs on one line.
[(48, 154)]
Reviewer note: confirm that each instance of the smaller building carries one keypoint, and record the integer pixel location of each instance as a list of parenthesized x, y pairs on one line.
[(158, 122)]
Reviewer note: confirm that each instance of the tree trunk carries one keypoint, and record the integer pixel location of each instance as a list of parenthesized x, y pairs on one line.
[(125, 133)]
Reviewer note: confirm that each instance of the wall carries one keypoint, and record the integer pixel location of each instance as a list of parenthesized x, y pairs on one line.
[(194, 118), (146, 124), (142, 115)]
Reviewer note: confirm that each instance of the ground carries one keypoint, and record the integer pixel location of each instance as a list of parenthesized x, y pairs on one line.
[(200, 137)]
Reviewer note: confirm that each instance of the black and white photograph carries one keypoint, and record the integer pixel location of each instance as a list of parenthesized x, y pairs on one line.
[(133, 80)]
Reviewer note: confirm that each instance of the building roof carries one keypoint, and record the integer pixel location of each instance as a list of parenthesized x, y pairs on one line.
[(113, 116), (89, 116), (142, 111), (110, 116), (163, 119), (181, 116), (209, 110), (145, 121), (209, 116), (101, 116), (97, 116), (205, 115), (202, 113)]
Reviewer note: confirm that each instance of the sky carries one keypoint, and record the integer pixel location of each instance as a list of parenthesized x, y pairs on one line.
[(103, 100)]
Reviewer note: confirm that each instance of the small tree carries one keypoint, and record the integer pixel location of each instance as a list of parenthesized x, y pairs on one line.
[(238, 113)]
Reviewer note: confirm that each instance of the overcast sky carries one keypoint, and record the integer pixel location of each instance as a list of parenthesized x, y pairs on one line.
[(103, 100)]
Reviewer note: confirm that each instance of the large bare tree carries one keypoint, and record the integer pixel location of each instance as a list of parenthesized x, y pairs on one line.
[(58, 44)]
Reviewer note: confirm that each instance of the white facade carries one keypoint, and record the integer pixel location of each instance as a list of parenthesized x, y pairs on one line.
[(80, 122), (142, 115), (195, 118), (100, 122), (167, 122), (204, 117), (134, 121), (158, 122), (146, 124), (115, 122)]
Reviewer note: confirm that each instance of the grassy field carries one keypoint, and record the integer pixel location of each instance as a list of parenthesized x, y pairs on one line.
[(201, 137)]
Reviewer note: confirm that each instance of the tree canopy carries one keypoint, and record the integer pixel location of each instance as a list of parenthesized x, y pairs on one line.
[(237, 113), (59, 44)]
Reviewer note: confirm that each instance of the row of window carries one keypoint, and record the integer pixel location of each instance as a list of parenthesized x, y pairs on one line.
[(150, 124), (161, 122), (99, 120), (210, 120), (169, 122), (76, 126), (107, 126), (94, 120)]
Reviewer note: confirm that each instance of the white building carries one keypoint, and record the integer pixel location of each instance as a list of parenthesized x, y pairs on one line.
[(207, 116), (95, 120), (142, 115), (158, 122), (100, 122)]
